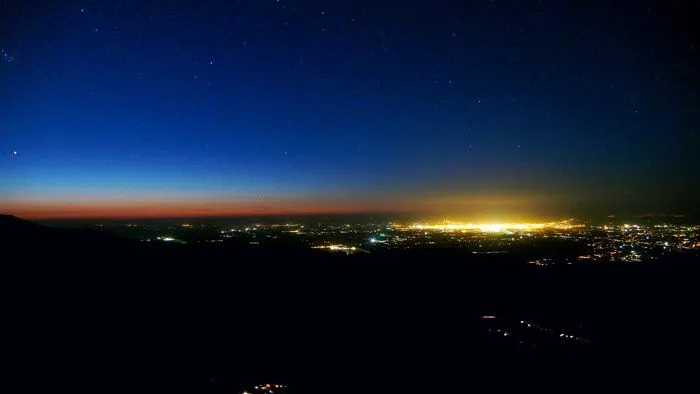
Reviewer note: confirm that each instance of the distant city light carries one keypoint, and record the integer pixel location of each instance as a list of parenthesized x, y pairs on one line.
[(170, 239), (267, 388), (494, 227), (338, 248), (618, 244)]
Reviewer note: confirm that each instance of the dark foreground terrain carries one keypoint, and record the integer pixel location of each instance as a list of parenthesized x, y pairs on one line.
[(85, 312)]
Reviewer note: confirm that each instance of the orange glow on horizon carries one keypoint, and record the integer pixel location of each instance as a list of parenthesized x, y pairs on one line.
[(499, 208), (176, 210)]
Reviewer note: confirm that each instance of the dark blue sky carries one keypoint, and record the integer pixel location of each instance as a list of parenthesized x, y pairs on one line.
[(453, 107)]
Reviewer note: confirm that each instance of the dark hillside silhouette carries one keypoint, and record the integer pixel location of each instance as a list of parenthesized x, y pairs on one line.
[(88, 312)]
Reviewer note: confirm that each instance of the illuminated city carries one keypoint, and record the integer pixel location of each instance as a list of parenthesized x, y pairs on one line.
[(496, 227), (349, 197), (583, 243)]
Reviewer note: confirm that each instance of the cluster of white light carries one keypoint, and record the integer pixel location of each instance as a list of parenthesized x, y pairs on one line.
[(561, 335), (266, 388)]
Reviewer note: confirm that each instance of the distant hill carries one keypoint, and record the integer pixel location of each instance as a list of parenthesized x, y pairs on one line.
[(16, 227), (35, 239)]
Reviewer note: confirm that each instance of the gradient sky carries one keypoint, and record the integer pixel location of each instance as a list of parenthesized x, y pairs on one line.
[(504, 108)]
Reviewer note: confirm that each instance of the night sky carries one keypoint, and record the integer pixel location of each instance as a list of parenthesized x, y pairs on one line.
[(493, 109)]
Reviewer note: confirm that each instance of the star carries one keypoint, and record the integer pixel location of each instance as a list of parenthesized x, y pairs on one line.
[(6, 56)]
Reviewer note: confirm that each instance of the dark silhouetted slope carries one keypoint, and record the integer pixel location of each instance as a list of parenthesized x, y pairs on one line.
[(91, 313), (29, 240)]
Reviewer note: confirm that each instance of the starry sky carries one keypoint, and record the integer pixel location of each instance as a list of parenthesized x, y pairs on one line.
[(459, 108)]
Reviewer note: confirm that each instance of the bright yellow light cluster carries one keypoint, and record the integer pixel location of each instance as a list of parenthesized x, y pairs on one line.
[(341, 248), (493, 227)]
